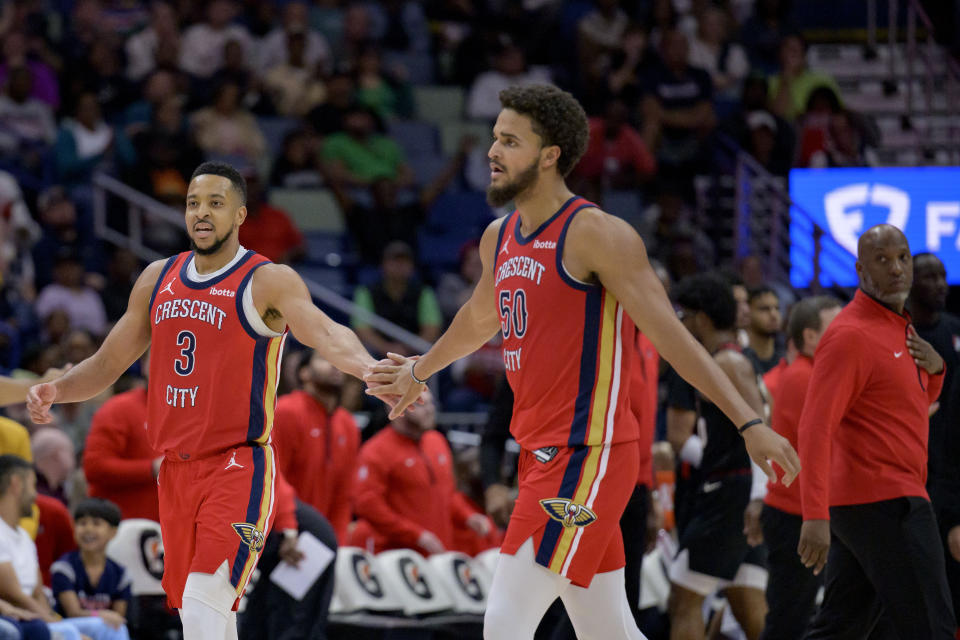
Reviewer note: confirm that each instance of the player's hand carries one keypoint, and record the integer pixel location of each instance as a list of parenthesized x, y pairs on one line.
[(289, 552), (479, 524), (396, 379), (923, 352), (429, 542), (953, 542), (751, 523), (814, 544), (499, 503), (765, 445), (40, 398), (113, 619)]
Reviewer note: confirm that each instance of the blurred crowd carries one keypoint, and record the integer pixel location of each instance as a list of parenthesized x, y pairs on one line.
[(306, 96)]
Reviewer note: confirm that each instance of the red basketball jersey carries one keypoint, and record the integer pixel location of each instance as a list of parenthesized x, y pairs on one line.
[(567, 345), (213, 378)]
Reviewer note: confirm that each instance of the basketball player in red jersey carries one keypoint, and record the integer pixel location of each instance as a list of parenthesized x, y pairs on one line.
[(565, 282), (215, 319)]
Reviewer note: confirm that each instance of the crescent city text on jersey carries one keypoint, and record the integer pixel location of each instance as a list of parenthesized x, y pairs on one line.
[(522, 266), (187, 308)]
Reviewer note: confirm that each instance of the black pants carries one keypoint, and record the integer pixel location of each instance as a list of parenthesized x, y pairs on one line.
[(271, 613), (952, 566), (886, 560), (791, 587)]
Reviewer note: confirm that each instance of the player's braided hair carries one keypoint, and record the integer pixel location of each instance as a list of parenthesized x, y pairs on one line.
[(557, 118)]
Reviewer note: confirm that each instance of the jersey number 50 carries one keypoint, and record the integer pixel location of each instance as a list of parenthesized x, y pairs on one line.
[(183, 364), (513, 313)]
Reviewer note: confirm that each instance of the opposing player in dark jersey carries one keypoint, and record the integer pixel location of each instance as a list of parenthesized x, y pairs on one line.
[(216, 318), (565, 282), (713, 552)]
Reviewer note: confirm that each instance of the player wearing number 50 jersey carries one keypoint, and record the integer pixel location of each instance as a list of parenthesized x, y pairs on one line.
[(564, 282), (216, 318)]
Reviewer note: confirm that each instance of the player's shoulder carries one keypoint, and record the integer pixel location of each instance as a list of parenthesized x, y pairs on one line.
[(275, 275), (594, 226), (733, 361), (151, 273)]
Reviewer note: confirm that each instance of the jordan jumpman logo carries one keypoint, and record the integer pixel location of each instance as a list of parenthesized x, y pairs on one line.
[(233, 462), (506, 246), (169, 287)]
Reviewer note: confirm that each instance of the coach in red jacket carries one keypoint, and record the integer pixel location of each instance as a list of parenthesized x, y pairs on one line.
[(406, 492), (118, 463), (863, 446), (791, 587), (317, 442)]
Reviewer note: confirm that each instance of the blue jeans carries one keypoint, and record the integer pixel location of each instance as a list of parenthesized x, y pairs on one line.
[(20, 630), (9, 631), (96, 628)]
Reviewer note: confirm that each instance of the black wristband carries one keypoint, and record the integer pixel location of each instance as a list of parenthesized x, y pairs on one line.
[(752, 423), (414, 376)]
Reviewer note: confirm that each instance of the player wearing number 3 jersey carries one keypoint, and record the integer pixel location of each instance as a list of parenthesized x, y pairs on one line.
[(215, 318), (565, 282)]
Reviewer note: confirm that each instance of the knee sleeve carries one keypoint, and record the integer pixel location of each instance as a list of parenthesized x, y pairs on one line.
[(207, 602), (213, 589)]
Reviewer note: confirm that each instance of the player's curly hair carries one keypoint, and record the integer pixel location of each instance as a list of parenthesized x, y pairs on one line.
[(711, 294), (557, 118)]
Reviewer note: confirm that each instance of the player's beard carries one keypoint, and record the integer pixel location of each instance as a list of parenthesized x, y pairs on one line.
[(212, 249), (500, 196)]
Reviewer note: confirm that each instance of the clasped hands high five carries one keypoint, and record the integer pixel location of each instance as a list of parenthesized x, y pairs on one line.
[(393, 381)]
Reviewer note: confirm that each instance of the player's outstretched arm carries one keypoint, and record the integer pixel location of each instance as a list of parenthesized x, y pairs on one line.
[(125, 343), (281, 297), (610, 248), (14, 391), (475, 323)]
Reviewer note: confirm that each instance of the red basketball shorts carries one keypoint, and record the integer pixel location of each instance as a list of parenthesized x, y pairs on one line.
[(570, 502), (214, 510)]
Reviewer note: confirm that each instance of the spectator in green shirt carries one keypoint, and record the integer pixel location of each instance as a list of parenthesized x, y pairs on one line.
[(360, 155), (400, 298), (791, 88)]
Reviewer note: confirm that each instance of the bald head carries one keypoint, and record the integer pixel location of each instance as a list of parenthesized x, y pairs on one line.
[(878, 235), (53, 455), (884, 265)]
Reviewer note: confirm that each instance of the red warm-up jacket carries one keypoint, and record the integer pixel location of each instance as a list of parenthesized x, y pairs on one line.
[(791, 389), (317, 454), (405, 487), (118, 460), (864, 428)]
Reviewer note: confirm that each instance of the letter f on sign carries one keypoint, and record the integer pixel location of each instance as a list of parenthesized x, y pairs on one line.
[(941, 221)]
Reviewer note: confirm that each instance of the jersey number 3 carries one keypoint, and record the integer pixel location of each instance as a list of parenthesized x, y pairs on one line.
[(183, 364), (513, 313)]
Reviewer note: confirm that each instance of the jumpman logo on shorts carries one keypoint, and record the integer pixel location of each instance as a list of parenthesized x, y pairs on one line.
[(169, 287), (506, 246), (233, 462)]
